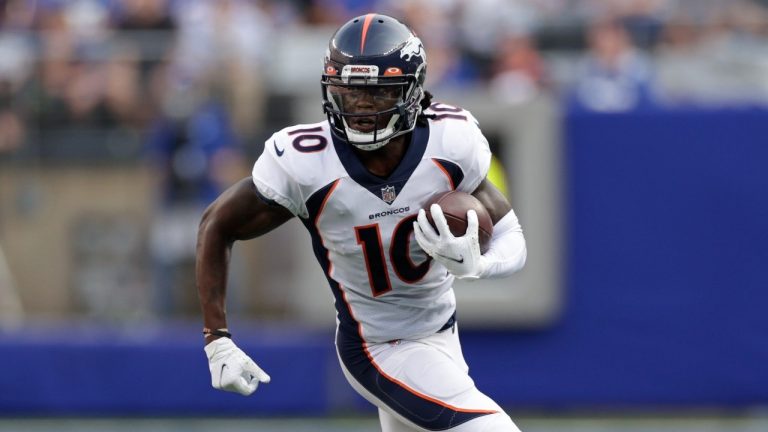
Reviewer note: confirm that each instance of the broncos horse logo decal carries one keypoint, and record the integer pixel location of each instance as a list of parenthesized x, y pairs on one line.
[(412, 48)]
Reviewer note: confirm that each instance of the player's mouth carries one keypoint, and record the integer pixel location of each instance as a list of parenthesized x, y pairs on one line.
[(363, 124)]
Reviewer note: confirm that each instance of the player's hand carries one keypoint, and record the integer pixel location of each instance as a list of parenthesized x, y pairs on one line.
[(231, 369), (460, 255)]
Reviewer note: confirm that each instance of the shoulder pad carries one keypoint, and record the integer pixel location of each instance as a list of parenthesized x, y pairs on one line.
[(441, 111)]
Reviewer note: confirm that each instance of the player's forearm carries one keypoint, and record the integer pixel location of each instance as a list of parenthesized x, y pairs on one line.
[(213, 251), (507, 252)]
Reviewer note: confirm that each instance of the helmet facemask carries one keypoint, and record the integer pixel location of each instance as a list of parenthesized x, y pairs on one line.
[(368, 111)]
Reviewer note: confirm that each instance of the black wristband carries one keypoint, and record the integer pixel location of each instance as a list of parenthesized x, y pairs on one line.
[(222, 332)]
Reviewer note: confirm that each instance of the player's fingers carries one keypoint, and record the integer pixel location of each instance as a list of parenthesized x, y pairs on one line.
[(217, 374), (427, 230), (251, 367), (253, 371), (426, 246), (262, 376), (472, 223), (244, 386), (440, 222), (229, 380)]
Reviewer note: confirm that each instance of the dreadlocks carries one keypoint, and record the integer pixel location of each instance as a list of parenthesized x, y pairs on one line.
[(426, 102)]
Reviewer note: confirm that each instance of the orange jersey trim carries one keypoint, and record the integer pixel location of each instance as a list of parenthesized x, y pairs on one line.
[(447, 174)]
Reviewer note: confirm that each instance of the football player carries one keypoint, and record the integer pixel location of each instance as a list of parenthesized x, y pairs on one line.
[(358, 181)]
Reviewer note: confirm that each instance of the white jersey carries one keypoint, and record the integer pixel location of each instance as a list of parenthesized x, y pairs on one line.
[(385, 286)]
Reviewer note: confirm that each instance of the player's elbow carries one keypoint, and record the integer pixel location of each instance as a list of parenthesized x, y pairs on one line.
[(209, 229), (207, 222)]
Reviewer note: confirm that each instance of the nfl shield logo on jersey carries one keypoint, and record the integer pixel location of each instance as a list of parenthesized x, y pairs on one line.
[(388, 194)]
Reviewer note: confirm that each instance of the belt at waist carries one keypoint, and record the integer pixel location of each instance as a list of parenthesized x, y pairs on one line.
[(449, 324)]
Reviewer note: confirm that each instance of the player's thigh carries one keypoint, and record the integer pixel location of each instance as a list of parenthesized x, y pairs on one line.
[(424, 383)]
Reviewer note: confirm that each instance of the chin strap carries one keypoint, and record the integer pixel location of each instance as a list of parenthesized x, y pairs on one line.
[(370, 147), (363, 140)]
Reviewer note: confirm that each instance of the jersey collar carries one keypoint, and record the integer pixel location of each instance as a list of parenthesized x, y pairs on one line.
[(398, 178)]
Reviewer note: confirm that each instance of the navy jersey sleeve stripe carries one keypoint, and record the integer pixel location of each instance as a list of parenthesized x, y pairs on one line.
[(454, 172)]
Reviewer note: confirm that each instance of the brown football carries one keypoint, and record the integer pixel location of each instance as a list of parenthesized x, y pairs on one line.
[(455, 205)]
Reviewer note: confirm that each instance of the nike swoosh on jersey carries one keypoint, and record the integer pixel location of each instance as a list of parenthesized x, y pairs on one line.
[(460, 260), (277, 150)]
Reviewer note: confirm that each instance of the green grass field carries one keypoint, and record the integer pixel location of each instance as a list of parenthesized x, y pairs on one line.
[(752, 423)]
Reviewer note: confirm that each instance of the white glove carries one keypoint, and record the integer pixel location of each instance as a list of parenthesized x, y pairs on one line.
[(460, 255), (231, 369)]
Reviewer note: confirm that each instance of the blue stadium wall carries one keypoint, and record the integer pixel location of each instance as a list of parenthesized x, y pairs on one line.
[(667, 300)]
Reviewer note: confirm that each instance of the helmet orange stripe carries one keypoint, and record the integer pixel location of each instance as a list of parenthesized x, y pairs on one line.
[(366, 24)]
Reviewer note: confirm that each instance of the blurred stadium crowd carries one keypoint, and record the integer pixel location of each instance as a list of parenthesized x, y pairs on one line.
[(125, 64), (195, 86)]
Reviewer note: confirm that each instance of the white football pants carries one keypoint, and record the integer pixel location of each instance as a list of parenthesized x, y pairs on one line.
[(421, 385)]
